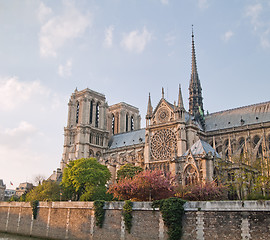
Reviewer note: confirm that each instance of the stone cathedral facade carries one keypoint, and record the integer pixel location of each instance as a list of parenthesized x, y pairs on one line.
[(187, 143)]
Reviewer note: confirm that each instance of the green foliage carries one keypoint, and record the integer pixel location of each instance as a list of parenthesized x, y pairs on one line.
[(127, 213), (83, 176), (203, 192), (128, 171), (172, 211), (14, 198), (96, 193), (99, 212), (47, 191), (34, 205)]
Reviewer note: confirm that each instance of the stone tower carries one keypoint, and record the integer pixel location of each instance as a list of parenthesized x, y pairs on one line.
[(195, 91), (86, 134), (123, 117)]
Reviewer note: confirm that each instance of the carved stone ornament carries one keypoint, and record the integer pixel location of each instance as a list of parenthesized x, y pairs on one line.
[(163, 144), (163, 114)]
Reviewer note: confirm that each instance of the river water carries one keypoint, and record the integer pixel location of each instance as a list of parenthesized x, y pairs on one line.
[(4, 236)]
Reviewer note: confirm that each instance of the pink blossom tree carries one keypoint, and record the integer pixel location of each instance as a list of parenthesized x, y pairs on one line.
[(147, 185)]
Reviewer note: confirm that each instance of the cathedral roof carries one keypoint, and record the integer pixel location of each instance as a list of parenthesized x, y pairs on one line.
[(127, 139), (242, 116), (201, 147)]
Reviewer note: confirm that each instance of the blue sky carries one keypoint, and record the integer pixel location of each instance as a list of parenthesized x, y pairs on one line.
[(124, 49)]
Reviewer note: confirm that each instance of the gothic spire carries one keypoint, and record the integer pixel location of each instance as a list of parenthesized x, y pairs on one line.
[(149, 108), (195, 89), (180, 98), (162, 92), (194, 72)]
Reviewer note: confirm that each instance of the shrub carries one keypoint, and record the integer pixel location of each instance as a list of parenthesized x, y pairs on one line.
[(127, 213), (203, 192), (172, 211), (99, 212)]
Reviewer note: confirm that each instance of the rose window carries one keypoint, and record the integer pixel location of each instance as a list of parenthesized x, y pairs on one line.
[(163, 144)]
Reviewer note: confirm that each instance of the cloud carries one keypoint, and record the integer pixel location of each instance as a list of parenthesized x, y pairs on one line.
[(59, 29), (14, 93), (264, 38), (109, 36), (136, 41), (227, 36), (18, 136), (32, 120), (170, 39), (258, 15), (203, 4), (165, 2), (43, 12), (65, 70), (254, 11)]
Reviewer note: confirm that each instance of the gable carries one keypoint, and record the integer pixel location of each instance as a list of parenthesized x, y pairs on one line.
[(163, 112)]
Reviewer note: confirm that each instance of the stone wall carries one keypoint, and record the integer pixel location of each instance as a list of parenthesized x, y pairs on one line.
[(234, 220)]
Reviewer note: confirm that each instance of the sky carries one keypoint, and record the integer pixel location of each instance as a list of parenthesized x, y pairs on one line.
[(123, 49)]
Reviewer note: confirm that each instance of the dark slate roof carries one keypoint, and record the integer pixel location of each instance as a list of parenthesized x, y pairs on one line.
[(127, 139), (252, 114), (201, 147)]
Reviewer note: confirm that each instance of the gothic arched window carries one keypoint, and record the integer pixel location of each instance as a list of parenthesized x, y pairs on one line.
[(256, 141), (226, 144), (241, 143), (126, 122), (97, 115), (91, 112), (131, 123), (191, 175), (91, 153), (77, 112), (113, 123)]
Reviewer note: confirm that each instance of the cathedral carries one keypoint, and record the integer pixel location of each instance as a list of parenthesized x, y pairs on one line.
[(187, 143)]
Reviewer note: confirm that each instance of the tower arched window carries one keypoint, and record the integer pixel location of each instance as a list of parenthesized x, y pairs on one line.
[(131, 123), (126, 122), (97, 115), (97, 139), (90, 138), (77, 112), (113, 123), (91, 112)]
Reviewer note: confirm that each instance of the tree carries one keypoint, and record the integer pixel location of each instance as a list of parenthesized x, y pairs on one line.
[(202, 192), (84, 178), (147, 185), (38, 179), (47, 191), (128, 171)]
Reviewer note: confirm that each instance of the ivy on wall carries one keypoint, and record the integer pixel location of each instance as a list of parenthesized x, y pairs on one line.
[(127, 213), (34, 205), (99, 212), (172, 211)]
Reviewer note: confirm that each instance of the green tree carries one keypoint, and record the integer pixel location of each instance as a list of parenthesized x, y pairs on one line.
[(128, 171), (47, 191), (85, 179)]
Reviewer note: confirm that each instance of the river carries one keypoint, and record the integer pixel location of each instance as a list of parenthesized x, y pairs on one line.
[(4, 236)]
